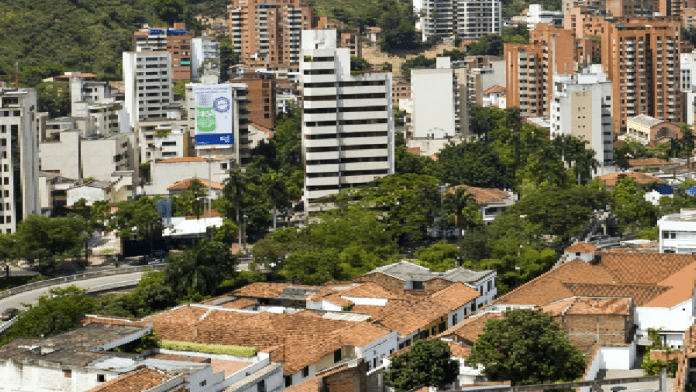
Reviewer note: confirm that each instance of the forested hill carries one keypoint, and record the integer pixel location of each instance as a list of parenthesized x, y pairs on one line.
[(47, 37)]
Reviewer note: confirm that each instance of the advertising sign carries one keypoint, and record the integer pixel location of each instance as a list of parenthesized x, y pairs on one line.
[(213, 114)]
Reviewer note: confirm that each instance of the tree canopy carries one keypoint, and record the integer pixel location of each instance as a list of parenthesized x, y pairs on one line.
[(427, 363), (526, 347)]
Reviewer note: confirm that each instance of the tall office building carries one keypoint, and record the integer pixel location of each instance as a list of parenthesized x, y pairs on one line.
[(531, 68), (267, 33), (581, 107), (148, 85), (19, 159), (641, 58), (347, 123), (470, 19), (176, 41)]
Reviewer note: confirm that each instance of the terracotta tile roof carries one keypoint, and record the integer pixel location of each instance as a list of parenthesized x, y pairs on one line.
[(228, 367), (643, 268), (374, 311), (581, 247), (261, 290), (454, 296), (410, 317), (495, 90), (186, 159), (414, 150), (470, 328), (459, 350), (139, 380), (584, 305), (639, 178), (177, 324), (483, 195), (86, 75), (241, 303), (654, 161), (212, 213), (373, 290), (641, 294), (337, 300), (186, 184), (550, 286), (682, 288)]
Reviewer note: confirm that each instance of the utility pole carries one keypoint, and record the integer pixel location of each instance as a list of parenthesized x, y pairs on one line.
[(210, 188)]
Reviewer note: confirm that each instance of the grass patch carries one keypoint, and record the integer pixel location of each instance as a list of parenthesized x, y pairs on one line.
[(238, 351), (108, 251)]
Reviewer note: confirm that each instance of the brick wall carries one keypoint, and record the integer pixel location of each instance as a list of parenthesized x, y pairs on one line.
[(435, 285), (584, 331), (663, 356), (389, 283), (350, 379)]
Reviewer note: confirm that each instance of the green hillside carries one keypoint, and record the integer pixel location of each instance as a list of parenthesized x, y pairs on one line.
[(49, 37)]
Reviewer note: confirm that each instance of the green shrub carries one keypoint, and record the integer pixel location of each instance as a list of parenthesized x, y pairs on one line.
[(238, 351)]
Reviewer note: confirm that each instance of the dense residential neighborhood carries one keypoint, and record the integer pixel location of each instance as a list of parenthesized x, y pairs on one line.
[(347, 196)]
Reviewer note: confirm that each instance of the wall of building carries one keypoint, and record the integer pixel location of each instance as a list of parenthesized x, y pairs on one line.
[(18, 377), (374, 352), (672, 321), (433, 103), (63, 155), (90, 194)]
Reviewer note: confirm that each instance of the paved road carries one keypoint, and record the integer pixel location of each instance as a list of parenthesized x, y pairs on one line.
[(31, 296)]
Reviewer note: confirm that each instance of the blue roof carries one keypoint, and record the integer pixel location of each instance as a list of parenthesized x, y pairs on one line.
[(664, 189), (691, 191)]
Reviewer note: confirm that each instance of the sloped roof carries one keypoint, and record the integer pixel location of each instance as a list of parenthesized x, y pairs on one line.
[(495, 90), (650, 279), (580, 247), (654, 161), (139, 380), (471, 328), (454, 296), (261, 290), (186, 184), (410, 317), (646, 120), (407, 271), (483, 195), (639, 178), (587, 305)]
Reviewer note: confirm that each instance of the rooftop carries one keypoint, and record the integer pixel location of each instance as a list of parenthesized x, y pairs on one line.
[(588, 305), (483, 195), (139, 380), (495, 90), (645, 120), (639, 178), (654, 161), (407, 271), (186, 184), (580, 247), (73, 348), (186, 159)]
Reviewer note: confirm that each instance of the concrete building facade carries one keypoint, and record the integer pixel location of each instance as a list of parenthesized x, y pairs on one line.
[(470, 19), (176, 41), (347, 121), (148, 83), (641, 58), (581, 107), (203, 49), (267, 33), (19, 157)]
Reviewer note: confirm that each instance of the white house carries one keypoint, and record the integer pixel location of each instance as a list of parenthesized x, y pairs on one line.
[(678, 232)]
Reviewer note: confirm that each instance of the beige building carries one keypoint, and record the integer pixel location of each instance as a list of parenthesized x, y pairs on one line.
[(650, 130), (168, 172)]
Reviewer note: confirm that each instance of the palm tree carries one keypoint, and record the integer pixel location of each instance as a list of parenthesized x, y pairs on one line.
[(275, 186), (234, 188), (198, 192)]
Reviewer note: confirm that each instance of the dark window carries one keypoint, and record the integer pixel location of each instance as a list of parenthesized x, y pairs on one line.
[(337, 355), (261, 386), (288, 381), (202, 383), (101, 378), (374, 363), (454, 319), (305, 371), (67, 373), (417, 285), (490, 285)]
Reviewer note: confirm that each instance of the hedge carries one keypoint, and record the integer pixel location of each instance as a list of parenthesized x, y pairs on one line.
[(238, 351)]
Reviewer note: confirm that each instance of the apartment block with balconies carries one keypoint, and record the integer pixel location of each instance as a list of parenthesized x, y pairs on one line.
[(641, 58), (467, 18), (176, 41), (148, 84), (347, 125)]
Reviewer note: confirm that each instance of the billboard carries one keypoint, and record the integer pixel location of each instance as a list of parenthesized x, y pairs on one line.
[(213, 105)]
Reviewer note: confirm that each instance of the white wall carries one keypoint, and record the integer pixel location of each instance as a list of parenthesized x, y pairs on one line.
[(90, 194), (16, 377), (586, 257), (675, 319), (165, 175), (379, 349), (367, 301), (433, 102)]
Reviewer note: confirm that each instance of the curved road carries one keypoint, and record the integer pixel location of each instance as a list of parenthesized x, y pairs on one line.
[(31, 297)]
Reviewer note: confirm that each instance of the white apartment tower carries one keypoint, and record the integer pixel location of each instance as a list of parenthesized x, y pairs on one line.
[(439, 101), (148, 83), (687, 85), (19, 159), (470, 19), (203, 49), (347, 126), (582, 107)]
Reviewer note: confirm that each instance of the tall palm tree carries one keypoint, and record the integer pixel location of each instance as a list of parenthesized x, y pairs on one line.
[(198, 192), (234, 188)]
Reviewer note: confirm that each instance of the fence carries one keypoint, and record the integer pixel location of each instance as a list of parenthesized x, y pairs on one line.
[(78, 277)]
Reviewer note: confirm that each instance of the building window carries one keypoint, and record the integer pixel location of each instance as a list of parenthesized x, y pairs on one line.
[(417, 285), (261, 386), (67, 373), (101, 378), (454, 319), (305, 371), (490, 285), (288, 381), (337, 356), (202, 383)]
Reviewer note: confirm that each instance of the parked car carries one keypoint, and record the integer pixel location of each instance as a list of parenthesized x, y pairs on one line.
[(9, 314)]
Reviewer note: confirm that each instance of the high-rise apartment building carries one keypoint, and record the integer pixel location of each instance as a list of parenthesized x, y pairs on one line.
[(261, 97), (148, 85), (267, 33), (641, 58), (347, 123), (470, 19), (203, 49), (440, 107), (531, 68), (19, 157), (176, 41), (581, 107)]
